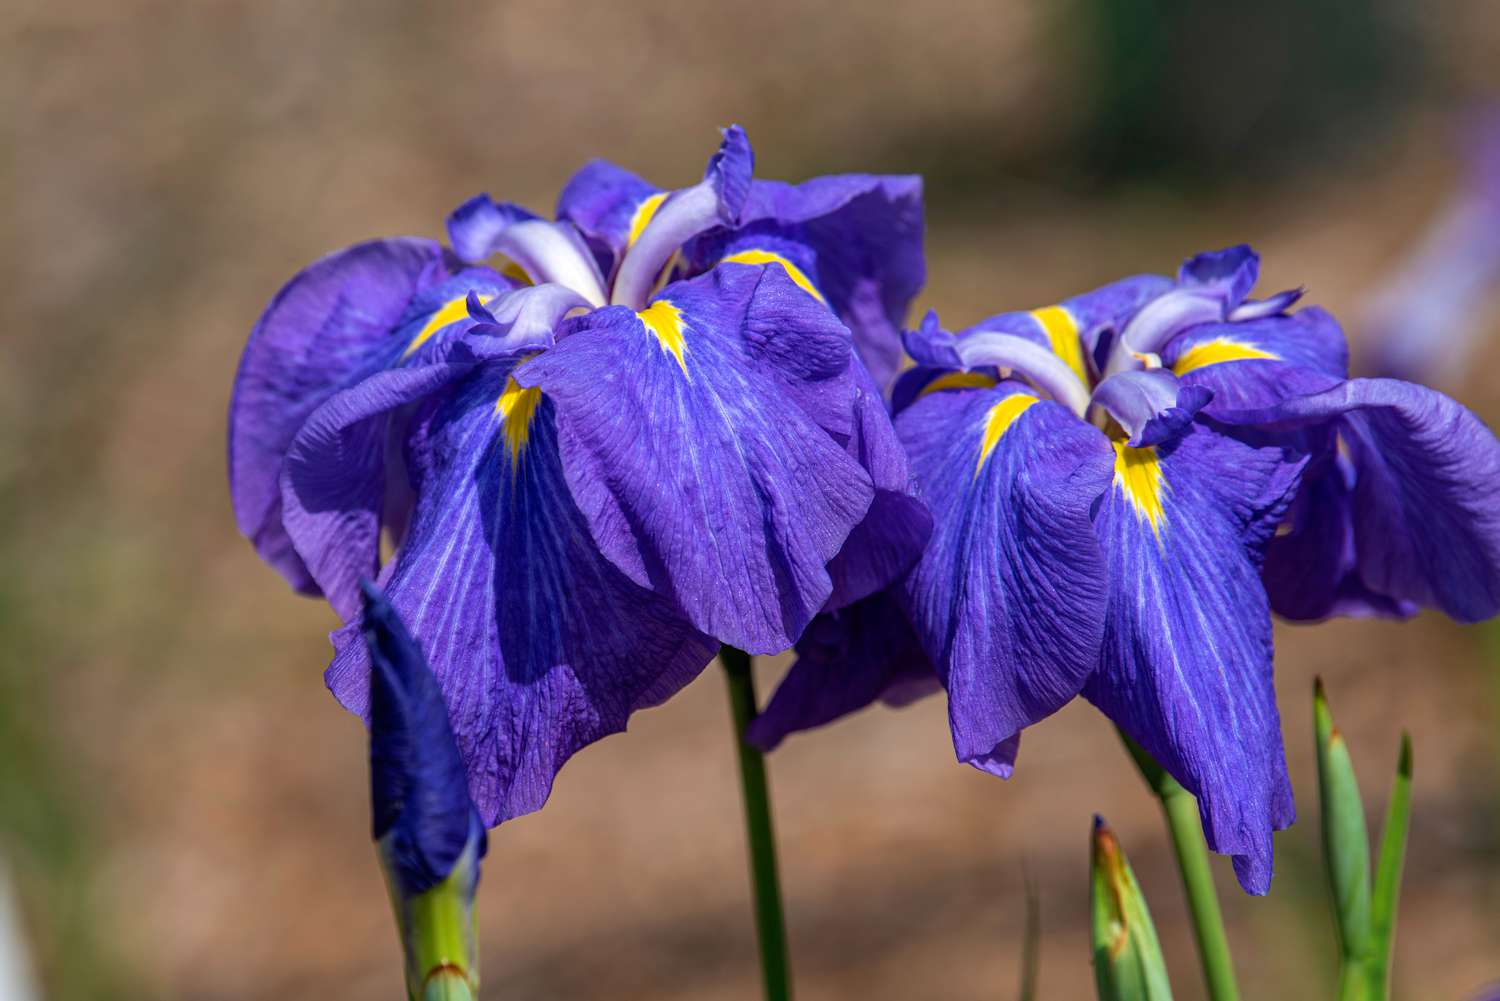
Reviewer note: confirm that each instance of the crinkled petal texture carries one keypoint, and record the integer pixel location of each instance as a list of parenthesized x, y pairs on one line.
[(890, 539), (541, 646), (1186, 664), (1426, 491), (343, 469), (694, 436), (846, 660), (328, 327), (855, 238), (1008, 600)]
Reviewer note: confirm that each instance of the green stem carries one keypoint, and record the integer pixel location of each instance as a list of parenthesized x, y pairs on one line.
[(1181, 811), (770, 926)]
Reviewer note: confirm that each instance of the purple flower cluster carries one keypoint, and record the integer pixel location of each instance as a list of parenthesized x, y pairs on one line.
[(604, 444)]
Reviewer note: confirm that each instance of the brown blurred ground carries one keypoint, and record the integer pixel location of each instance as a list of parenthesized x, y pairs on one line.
[(185, 807)]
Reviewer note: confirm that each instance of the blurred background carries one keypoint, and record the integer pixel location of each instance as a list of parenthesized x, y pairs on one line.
[(183, 808)]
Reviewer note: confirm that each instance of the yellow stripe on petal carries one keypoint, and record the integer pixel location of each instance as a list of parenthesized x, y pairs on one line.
[(517, 406), (1062, 333), (449, 312), (664, 321), (958, 380), (1001, 416), (1216, 351), (757, 256), (644, 213), (1138, 477)]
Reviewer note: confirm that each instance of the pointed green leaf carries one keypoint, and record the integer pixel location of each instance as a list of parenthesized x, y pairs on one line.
[(1128, 965), (1346, 843), (1388, 872)]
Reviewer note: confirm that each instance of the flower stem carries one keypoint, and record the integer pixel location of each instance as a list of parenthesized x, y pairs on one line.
[(770, 926), (1181, 812)]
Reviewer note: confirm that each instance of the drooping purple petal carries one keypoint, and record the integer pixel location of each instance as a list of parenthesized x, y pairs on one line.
[(419, 792), (1426, 505), (1312, 563), (1150, 404), (893, 533), (855, 238), (846, 660), (539, 644), (328, 327), (1008, 599), (694, 436), (335, 476), (1186, 665)]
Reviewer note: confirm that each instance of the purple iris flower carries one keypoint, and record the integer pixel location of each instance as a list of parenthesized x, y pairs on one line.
[(598, 462), (1124, 486)]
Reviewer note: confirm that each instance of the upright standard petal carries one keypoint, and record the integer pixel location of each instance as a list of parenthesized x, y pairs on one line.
[(693, 434), (1186, 665), (1008, 600), (853, 240), (328, 327), (541, 646), (846, 660), (1426, 503)]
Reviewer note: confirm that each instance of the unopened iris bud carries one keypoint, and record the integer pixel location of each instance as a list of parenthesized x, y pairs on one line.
[(426, 828), (1128, 964)]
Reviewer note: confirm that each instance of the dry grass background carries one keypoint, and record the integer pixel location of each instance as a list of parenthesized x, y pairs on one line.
[(183, 805)]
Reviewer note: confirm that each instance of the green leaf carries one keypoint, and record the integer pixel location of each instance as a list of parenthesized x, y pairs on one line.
[(1346, 843), (1388, 873), (1128, 964)]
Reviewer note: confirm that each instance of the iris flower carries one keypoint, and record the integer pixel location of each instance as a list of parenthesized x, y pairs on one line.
[(1123, 488), (646, 435)]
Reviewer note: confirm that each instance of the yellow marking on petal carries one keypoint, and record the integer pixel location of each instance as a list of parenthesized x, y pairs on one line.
[(757, 256), (1001, 416), (644, 213), (1216, 351), (449, 312), (664, 321), (1062, 332), (517, 406), (1138, 477), (514, 271), (958, 380)]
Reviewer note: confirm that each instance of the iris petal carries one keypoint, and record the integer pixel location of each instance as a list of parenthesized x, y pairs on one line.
[(846, 660), (328, 327), (858, 238), (718, 484), (1186, 665), (1256, 363), (1426, 509), (1008, 599), (539, 644)]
